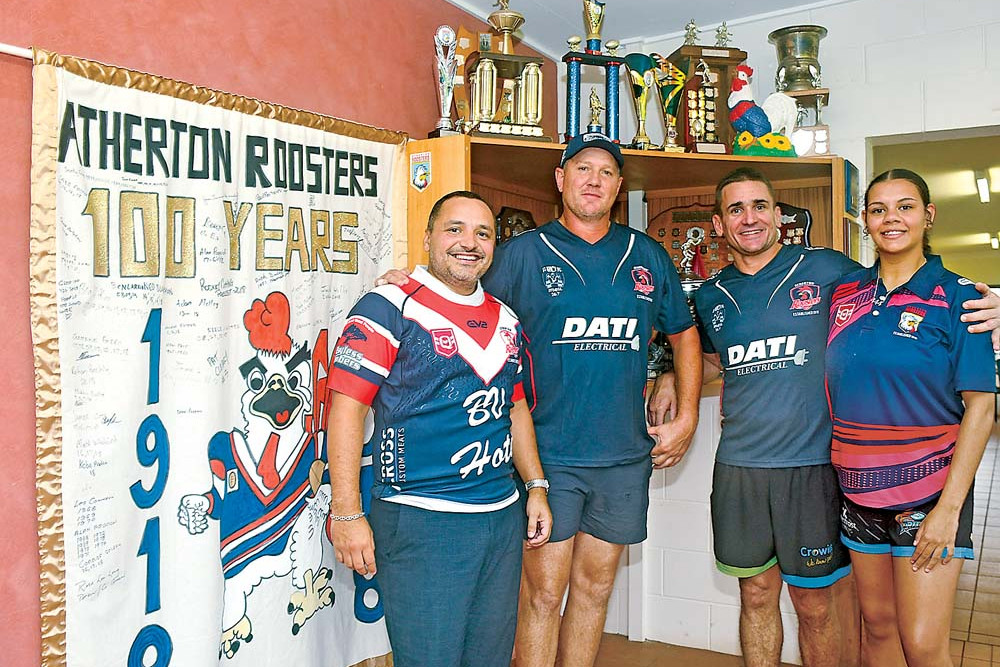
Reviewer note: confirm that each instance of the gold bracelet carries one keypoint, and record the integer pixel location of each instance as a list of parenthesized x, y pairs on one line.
[(347, 517)]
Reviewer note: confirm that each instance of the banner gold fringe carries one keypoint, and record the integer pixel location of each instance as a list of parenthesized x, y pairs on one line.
[(45, 336)]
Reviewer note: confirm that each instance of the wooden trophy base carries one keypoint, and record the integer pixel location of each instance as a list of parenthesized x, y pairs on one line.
[(488, 128)]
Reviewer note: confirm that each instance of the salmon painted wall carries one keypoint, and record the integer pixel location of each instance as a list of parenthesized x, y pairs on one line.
[(369, 61)]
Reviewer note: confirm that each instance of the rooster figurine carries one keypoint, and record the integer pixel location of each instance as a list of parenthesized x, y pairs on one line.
[(764, 129)]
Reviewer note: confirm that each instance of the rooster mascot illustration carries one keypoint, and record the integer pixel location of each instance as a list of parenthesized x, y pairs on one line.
[(764, 129), (270, 492)]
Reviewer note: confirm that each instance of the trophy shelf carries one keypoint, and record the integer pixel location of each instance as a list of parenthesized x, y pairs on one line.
[(519, 174)]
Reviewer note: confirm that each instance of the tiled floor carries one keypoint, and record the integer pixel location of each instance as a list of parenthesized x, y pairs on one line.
[(975, 626), (618, 651)]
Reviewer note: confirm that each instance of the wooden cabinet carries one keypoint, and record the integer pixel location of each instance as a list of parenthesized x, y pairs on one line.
[(519, 174)]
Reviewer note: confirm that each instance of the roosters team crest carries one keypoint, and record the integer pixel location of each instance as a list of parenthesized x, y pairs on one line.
[(270, 491), (805, 296), (510, 341), (643, 280)]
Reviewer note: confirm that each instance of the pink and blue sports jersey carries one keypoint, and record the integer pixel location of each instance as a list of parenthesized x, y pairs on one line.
[(769, 329), (895, 366), (441, 372), (588, 312)]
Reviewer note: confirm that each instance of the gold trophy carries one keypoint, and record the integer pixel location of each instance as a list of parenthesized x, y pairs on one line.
[(593, 17), (506, 88), (505, 21), (642, 78), (595, 113)]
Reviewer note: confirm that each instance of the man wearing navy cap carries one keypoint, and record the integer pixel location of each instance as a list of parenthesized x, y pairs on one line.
[(589, 294)]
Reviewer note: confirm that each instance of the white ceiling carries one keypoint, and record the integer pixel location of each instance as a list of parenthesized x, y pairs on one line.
[(549, 22)]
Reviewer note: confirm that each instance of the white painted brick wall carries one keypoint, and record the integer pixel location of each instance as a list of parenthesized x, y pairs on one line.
[(892, 66)]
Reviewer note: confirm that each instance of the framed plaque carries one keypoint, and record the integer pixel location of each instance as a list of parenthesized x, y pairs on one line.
[(795, 225), (722, 61), (511, 222), (687, 234)]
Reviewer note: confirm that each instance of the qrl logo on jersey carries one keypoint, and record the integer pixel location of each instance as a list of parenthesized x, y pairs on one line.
[(844, 312), (805, 296), (643, 279), (444, 342)]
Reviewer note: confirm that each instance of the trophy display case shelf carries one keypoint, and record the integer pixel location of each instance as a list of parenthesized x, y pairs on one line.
[(519, 174)]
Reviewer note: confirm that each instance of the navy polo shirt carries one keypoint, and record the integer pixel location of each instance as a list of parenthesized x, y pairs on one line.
[(588, 312), (896, 365), (770, 329)]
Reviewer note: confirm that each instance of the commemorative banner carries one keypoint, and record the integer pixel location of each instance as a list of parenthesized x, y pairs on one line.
[(194, 255)]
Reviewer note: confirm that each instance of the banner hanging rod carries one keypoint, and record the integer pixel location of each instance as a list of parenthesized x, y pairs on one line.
[(15, 51)]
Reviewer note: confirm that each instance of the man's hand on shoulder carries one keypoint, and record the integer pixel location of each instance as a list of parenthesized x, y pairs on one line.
[(398, 277), (672, 440), (986, 312)]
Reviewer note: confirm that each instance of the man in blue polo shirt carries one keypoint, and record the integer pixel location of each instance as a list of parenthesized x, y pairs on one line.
[(774, 493), (589, 294), (775, 498)]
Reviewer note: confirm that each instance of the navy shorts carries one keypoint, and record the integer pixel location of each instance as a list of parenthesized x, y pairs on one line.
[(449, 583), (609, 503), (870, 530), (788, 516)]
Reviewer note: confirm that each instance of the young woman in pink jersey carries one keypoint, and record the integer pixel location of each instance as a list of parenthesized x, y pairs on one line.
[(911, 397)]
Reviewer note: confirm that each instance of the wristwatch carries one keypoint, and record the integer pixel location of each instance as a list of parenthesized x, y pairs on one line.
[(540, 483)]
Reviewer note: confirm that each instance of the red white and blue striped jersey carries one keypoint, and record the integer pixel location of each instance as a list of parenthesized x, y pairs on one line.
[(256, 520), (441, 372), (895, 366)]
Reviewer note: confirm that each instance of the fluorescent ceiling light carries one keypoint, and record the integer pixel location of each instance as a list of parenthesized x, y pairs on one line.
[(983, 185), (995, 243)]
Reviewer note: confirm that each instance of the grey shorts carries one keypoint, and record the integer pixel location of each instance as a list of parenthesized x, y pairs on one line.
[(609, 503), (788, 516)]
